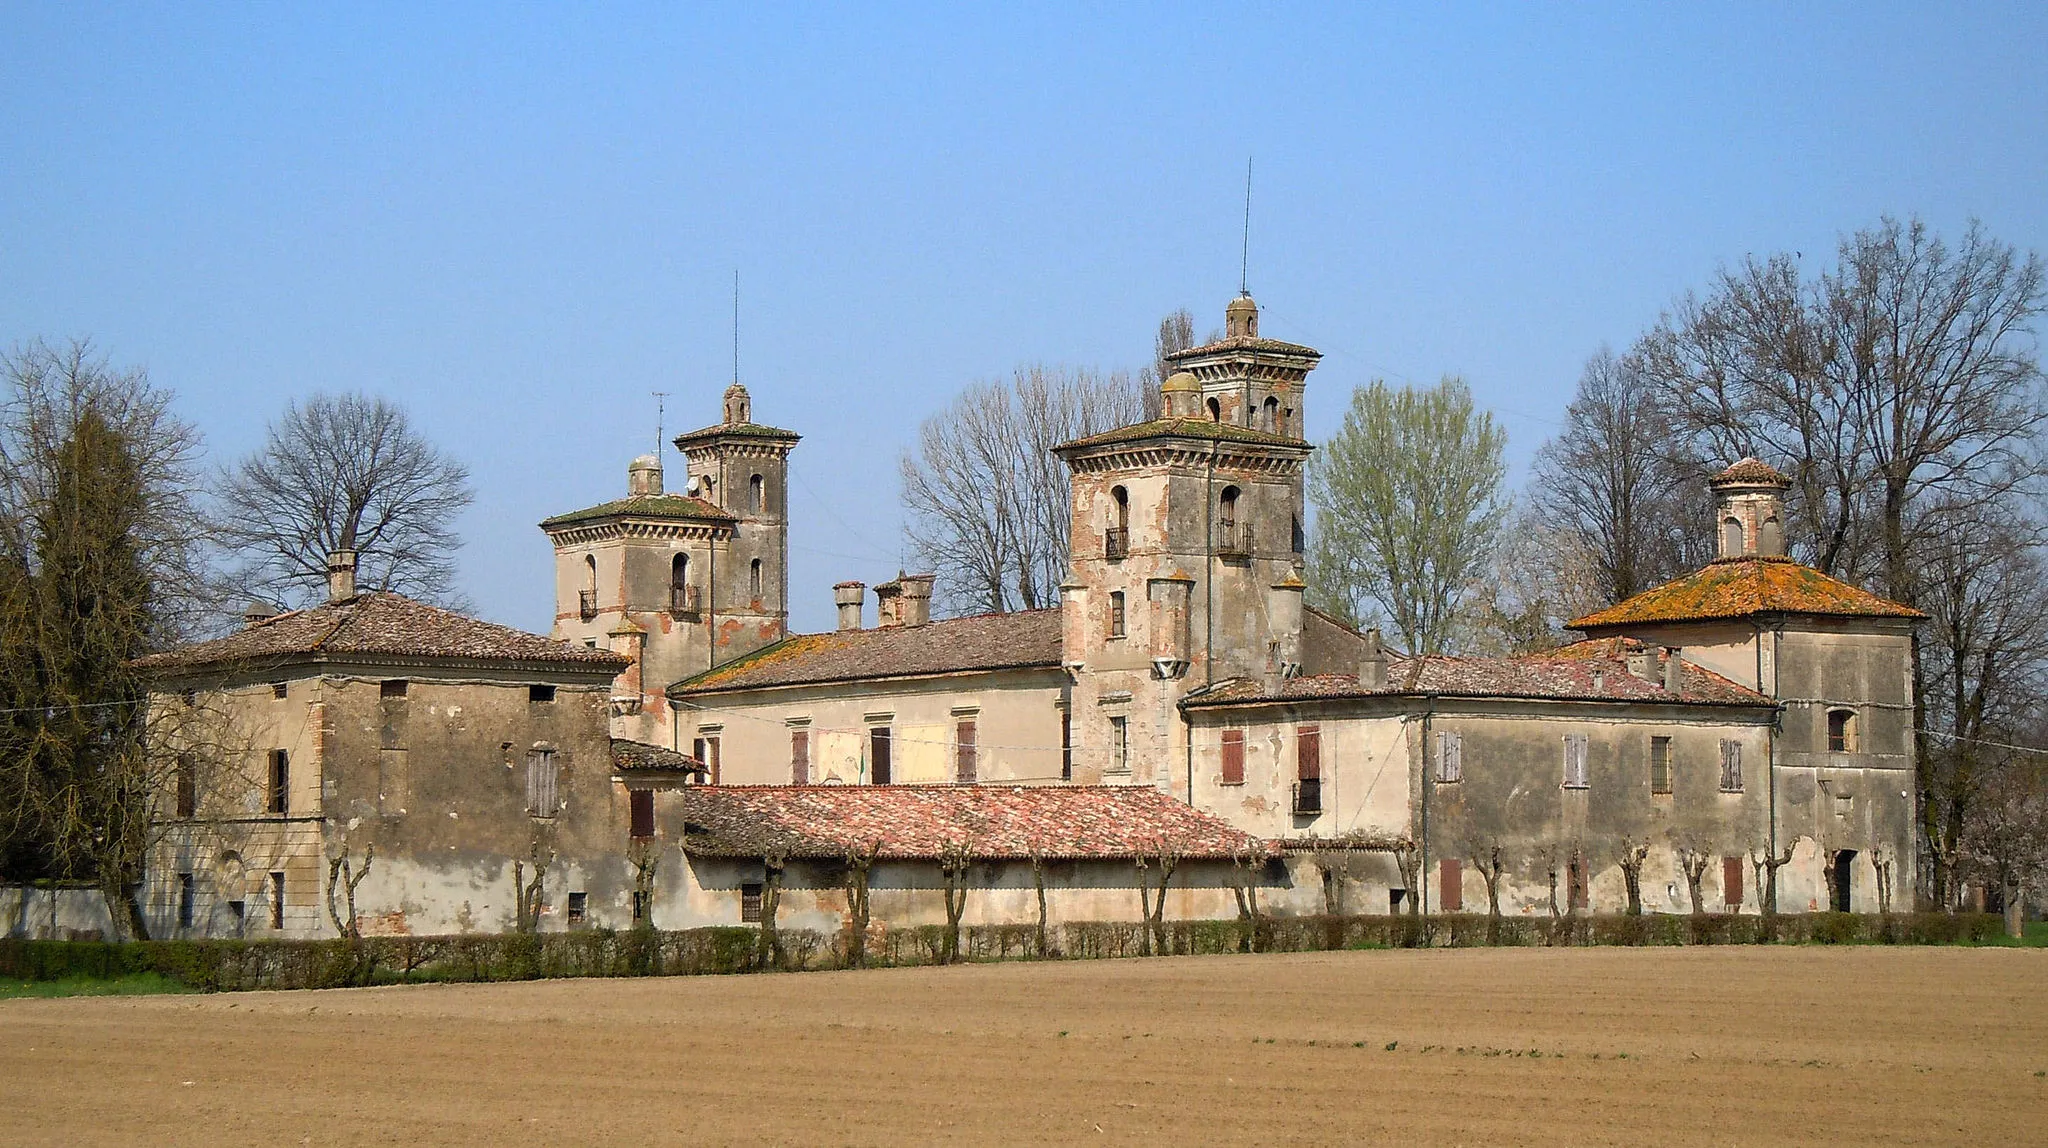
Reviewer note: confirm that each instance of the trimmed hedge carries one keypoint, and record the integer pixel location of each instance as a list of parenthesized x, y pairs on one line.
[(231, 966)]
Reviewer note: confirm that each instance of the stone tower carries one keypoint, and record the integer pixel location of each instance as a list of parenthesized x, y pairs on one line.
[(1186, 553), (1750, 515), (679, 582)]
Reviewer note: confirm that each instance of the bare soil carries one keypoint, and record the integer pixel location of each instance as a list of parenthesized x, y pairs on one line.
[(1592, 1046)]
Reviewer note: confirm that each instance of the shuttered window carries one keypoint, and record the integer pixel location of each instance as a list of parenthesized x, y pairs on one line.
[(966, 763), (1119, 744), (799, 757), (879, 765), (1660, 765), (1233, 757), (1731, 766), (642, 801), (705, 749), (1575, 761), (188, 785), (1451, 895), (1450, 757), (540, 783), (1308, 753), (1731, 882)]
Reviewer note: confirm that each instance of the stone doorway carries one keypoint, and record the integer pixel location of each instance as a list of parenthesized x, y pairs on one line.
[(1842, 883)]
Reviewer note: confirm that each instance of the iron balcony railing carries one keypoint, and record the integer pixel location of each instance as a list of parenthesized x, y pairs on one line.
[(684, 600), (1234, 540), (1116, 544), (586, 602)]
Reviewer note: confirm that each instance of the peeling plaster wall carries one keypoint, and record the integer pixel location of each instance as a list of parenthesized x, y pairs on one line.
[(53, 913)]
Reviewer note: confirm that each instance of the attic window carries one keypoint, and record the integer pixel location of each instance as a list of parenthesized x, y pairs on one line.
[(540, 693), (391, 688)]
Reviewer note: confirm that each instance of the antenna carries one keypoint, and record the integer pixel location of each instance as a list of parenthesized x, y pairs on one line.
[(735, 324), (660, 410), (1244, 258)]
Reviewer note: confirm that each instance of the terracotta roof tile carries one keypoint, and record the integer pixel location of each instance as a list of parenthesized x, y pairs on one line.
[(1742, 588), (921, 821), (1583, 671), (629, 756), (644, 506), (1204, 429), (1244, 343), (370, 626), (1022, 639), (741, 430), (1751, 470)]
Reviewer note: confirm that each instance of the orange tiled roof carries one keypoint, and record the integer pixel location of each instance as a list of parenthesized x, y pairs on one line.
[(1745, 587), (1751, 470)]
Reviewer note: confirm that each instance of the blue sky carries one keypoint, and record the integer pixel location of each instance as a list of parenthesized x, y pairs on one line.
[(521, 222)]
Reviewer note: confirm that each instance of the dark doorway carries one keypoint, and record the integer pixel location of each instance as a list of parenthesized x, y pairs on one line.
[(1842, 882)]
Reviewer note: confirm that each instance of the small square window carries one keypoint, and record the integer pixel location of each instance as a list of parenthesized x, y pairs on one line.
[(540, 693), (278, 690), (750, 903), (392, 688), (579, 904)]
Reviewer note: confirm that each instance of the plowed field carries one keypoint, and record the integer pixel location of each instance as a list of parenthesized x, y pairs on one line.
[(1596, 1046)]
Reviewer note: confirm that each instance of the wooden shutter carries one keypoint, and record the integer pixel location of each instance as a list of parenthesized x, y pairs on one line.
[(1731, 766), (1308, 753), (1233, 757), (879, 765), (966, 763), (540, 783), (799, 757), (1575, 776), (1450, 757), (1660, 765), (1451, 891), (1731, 881), (643, 812)]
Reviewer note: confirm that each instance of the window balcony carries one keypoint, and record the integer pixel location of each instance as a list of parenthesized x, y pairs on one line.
[(684, 600), (1308, 797), (586, 604), (1234, 540), (1116, 544)]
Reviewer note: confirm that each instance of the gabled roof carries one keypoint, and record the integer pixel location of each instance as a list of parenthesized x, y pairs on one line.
[(1204, 429), (674, 506), (381, 625), (1017, 640), (1589, 671), (992, 822), (1743, 588)]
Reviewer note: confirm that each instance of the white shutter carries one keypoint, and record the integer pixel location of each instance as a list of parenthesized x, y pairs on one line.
[(1575, 761), (1731, 766), (540, 783), (1450, 757)]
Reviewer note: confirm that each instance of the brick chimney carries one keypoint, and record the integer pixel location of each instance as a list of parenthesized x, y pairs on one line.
[(848, 596), (341, 575)]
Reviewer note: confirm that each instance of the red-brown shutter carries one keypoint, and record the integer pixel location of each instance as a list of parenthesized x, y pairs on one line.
[(643, 812), (1233, 757), (1451, 889), (799, 757), (1308, 753), (967, 765), (1731, 881)]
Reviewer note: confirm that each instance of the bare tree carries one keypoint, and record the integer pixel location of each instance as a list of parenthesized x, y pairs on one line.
[(1766, 867), (1176, 334), (1038, 886), (1539, 577), (955, 863), (346, 472), (1163, 860), (1884, 862), (2007, 841), (1693, 862), (529, 896), (342, 878), (644, 855), (1487, 859), (987, 499), (769, 953), (1408, 501), (1610, 483), (1408, 861), (859, 864), (1630, 857)]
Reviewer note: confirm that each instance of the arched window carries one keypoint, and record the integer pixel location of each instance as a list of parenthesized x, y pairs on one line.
[(1731, 537), (754, 577), (1123, 507), (1770, 537), (757, 494), (1215, 411), (679, 583), (1842, 731), (590, 572), (586, 598), (1116, 613), (1227, 516), (1269, 414)]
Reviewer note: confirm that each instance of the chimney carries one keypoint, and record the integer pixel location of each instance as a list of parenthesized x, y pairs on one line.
[(257, 612), (1674, 671), (643, 477), (1372, 667), (889, 604), (1637, 658), (848, 596), (917, 598), (341, 575)]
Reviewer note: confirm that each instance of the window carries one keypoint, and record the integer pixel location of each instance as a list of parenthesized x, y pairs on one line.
[(188, 785), (1116, 613), (1123, 507), (1575, 761), (966, 753), (879, 764), (1450, 758), (1308, 771), (1731, 882), (1841, 731), (238, 915), (750, 902), (541, 776), (1215, 411), (1660, 765), (1269, 414), (1227, 509), (679, 585), (186, 897), (1116, 541), (705, 749), (280, 782), (579, 908), (641, 902), (277, 900), (1119, 744), (799, 757), (1066, 744), (1233, 757), (1451, 885), (1731, 766), (279, 691), (642, 805), (754, 578), (1731, 537), (757, 494), (1770, 536), (1297, 537), (540, 693), (392, 688)]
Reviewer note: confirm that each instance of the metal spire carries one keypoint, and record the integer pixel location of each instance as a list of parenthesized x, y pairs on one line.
[(660, 411), (1245, 254)]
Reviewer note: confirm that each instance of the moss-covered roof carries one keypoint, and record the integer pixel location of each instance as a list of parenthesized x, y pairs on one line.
[(1244, 343), (1018, 640), (741, 430), (644, 506), (1743, 588), (1205, 429)]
